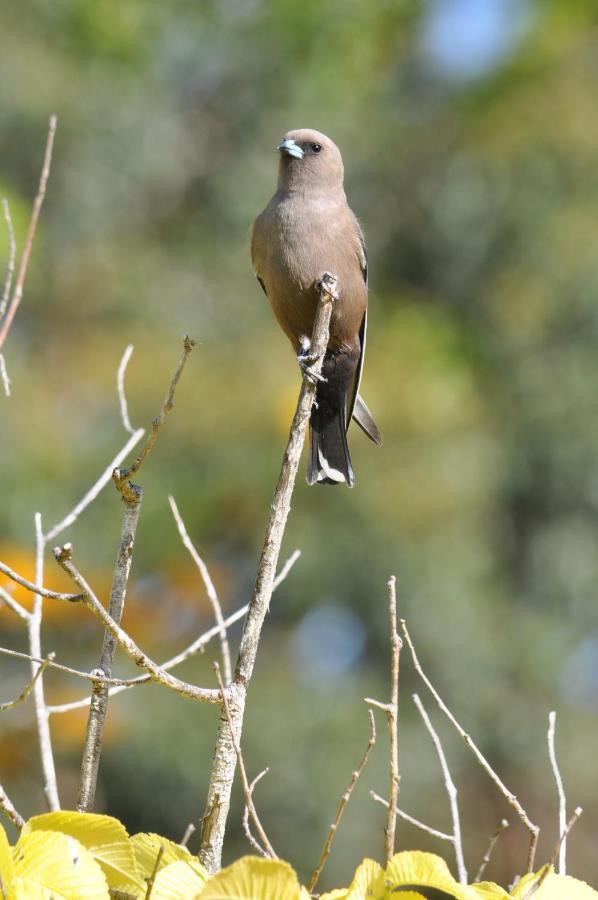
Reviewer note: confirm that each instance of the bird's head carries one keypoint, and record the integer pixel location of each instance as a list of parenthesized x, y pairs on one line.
[(309, 161)]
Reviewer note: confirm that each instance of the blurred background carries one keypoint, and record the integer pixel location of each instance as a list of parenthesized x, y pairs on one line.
[(470, 137)]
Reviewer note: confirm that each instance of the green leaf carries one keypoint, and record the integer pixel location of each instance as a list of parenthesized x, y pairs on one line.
[(106, 839), (253, 878), (52, 865)]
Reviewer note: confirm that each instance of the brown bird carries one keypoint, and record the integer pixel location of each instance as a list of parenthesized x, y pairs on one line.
[(308, 229)]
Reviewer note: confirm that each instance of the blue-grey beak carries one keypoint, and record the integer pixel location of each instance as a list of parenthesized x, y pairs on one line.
[(289, 147)]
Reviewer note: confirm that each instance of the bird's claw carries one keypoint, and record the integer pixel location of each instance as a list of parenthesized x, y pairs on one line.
[(307, 361), (328, 283)]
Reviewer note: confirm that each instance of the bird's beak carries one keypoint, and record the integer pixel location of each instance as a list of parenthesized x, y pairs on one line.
[(289, 147)]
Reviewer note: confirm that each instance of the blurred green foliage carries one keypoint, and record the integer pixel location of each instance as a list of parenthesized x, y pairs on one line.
[(478, 192)]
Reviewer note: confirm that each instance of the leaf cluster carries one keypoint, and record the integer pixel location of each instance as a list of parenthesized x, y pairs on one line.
[(70, 855)]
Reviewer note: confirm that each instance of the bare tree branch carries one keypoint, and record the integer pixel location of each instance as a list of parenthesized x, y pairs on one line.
[(209, 586), (206, 695), (507, 794), (246, 827), (152, 878), (4, 376), (189, 832), (224, 763), (36, 589), (41, 193), (120, 389), (13, 604), (7, 807), (450, 789), (546, 869), (244, 780), (413, 821), (488, 854), (560, 791), (12, 253), (342, 806), (196, 647), (30, 685), (77, 673)]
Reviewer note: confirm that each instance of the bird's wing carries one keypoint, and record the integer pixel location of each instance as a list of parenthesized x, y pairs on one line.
[(363, 262)]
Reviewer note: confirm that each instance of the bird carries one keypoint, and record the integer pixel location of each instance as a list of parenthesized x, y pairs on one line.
[(306, 230)]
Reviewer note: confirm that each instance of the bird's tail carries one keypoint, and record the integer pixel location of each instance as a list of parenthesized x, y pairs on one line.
[(329, 461)]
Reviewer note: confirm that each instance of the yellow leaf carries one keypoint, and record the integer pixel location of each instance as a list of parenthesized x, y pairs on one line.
[(252, 878), (23, 889), (555, 887), (487, 890), (6, 866), (146, 848), (58, 864), (183, 878), (416, 870), (106, 839), (337, 894)]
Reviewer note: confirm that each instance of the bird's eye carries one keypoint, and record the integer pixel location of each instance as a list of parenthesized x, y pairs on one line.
[(316, 148)]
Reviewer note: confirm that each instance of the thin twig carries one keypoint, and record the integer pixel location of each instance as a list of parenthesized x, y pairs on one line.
[(12, 253), (120, 389), (152, 878), (413, 821), (8, 808), (560, 791), (42, 716), (507, 794), (189, 832), (13, 604), (246, 827), (77, 673), (342, 806), (141, 659), (36, 589), (549, 867), (41, 193), (488, 854), (392, 719), (197, 646), (30, 685), (450, 789), (99, 696), (93, 492), (224, 758), (4, 376), (209, 586), (244, 780), (121, 476)]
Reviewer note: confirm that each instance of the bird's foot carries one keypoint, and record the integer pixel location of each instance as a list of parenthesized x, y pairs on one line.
[(307, 361), (328, 283)]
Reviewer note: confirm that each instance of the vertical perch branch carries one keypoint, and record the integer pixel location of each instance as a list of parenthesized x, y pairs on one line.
[(223, 766)]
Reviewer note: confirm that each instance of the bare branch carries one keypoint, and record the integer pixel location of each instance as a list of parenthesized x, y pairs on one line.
[(99, 695), (152, 878), (546, 869), (392, 719), (7, 807), (12, 253), (560, 791), (342, 806), (244, 780), (30, 685), (224, 764), (42, 716), (209, 586), (121, 477), (41, 193), (413, 821), (189, 832), (450, 789), (93, 492), (77, 673), (36, 589), (120, 388), (488, 854), (4, 376), (13, 604), (246, 827), (507, 794), (196, 647), (206, 695)]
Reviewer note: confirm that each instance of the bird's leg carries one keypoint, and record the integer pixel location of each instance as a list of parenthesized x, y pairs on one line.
[(306, 360)]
